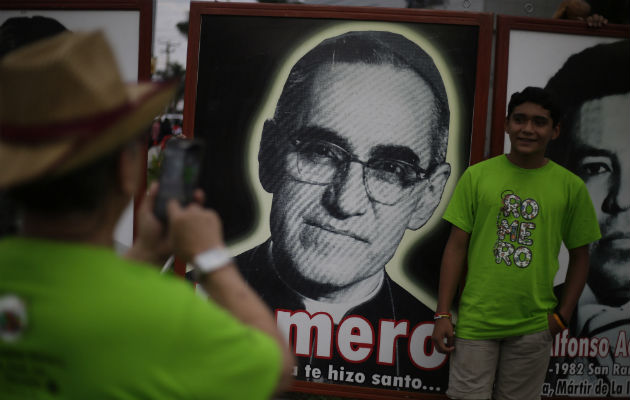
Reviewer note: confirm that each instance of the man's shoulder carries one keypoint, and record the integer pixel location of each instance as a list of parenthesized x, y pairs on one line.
[(109, 286), (61, 257)]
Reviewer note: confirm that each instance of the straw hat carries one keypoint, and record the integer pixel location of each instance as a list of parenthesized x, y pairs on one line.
[(63, 104)]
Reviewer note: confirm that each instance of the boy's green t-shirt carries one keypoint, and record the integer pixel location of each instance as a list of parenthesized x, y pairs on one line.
[(99, 327), (517, 220)]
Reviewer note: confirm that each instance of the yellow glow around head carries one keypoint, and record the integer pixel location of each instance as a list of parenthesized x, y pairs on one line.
[(454, 155)]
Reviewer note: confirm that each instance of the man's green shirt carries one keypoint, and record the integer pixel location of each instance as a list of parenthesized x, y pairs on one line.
[(95, 326)]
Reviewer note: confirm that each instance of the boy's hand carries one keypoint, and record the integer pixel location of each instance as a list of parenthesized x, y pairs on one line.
[(554, 327), (443, 336)]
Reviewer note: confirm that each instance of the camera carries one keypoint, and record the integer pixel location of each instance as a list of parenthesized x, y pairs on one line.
[(179, 174)]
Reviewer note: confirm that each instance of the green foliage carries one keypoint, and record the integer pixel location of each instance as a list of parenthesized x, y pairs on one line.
[(182, 27), (174, 71), (154, 167)]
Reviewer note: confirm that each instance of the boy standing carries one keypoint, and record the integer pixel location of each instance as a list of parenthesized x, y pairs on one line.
[(510, 215)]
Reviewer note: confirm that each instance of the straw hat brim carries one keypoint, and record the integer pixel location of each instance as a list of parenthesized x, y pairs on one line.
[(22, 163)]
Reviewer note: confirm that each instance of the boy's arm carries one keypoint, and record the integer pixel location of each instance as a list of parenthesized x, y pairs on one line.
[(577, 272), (453, 261)]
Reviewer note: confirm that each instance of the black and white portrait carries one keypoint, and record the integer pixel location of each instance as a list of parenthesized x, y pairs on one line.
[(354, 155), (333, 148), (595, 144)]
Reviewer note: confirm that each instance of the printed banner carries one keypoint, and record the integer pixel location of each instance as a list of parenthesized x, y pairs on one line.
[(589, 366), (333, 148)]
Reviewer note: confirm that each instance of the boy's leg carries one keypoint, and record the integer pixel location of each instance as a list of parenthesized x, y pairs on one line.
[(472, 367), (522, 366)]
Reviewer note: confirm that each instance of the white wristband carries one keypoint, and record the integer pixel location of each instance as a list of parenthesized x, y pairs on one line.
[(211, 260)]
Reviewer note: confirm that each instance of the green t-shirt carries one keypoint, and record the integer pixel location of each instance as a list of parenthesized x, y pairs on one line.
[(100, 327), (517, 220)]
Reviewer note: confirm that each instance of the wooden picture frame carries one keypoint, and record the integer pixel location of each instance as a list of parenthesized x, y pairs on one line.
[(128, 25), (237, 55)]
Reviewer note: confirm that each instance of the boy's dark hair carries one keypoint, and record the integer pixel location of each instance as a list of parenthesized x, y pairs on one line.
[(536, 95)]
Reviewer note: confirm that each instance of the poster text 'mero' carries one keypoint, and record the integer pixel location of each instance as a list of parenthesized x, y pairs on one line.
[(355, 338)]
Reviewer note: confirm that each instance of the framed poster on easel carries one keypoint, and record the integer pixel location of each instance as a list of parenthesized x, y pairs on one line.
[(334, 138)]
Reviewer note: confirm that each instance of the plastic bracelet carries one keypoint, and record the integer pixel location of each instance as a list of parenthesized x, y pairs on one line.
[(210, 260), (560, 316), (437, 316), (558, 319)]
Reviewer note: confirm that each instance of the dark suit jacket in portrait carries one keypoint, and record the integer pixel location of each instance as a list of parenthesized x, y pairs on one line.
[(391, 302)]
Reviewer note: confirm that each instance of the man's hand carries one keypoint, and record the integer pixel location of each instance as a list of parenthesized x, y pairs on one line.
[(152, 244), (193, 229), (596, 21), (443, 329), (579, 10)]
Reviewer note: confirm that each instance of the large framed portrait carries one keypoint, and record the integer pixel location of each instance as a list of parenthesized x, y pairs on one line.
[(127, 24), (334, 138), (587, 70)]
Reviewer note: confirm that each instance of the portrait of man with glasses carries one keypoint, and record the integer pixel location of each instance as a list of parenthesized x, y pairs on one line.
[(354, 156)]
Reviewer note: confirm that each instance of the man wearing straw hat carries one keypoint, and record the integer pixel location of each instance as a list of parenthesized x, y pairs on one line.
[(76, 321)]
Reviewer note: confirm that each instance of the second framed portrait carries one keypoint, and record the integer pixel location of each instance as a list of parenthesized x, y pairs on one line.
[(588, 73), (127, 25)]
